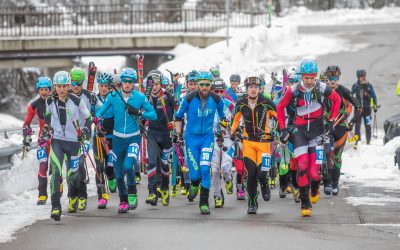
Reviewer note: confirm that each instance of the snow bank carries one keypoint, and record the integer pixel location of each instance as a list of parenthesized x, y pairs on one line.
[(106, 63), (306, 17), (9, 121), (256, 51)]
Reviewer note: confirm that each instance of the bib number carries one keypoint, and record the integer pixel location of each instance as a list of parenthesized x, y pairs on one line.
[(266, 162), (133, 150), (319, 151), (41, 154), (75, 162)]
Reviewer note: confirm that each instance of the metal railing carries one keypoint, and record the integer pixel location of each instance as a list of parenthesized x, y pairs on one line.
[(6, 153), (119, 19)]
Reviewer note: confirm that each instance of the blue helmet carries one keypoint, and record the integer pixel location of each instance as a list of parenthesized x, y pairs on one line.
[(128, 74), (165, 81), (191, 76), (43, 82), (104, 78), (308, 67), (205, 75), (62, 78)]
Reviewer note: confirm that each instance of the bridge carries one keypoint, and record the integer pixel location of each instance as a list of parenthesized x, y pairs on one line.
[(60, 34)]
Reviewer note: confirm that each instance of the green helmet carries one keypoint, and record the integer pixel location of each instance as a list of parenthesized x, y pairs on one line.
[(77, 74), (215, 72)]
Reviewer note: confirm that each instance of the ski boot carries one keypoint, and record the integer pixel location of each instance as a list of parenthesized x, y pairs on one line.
[(158, 192), (314, 193), (132, 201), (305, 211), (152, 199), (183, 190), (123, 207), (335, 189), (82, 203), (102, 203), (174, 190), (306, 206), (328, 189), (219, 202), (112, 185), (41, 200), (72, 205), (252, 205), (240, 195), (165, 197), (56, 214), (289, 189), (296, 195), (203, 204), (138, 178), (229, 187), (265, 191), (282, 192), (193, 191)]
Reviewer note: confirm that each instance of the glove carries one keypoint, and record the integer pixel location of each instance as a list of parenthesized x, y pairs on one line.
[(328, 126), (42, 143), (177, 139), (170, 126), (133, 111), (285, 134), (27, 141), (46, 132), (83, 135), (96, 120), (375, 108), (220, 139), (27, 131), (93, 98), (101, 133)]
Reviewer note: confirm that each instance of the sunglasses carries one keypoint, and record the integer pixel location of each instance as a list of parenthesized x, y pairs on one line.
[(333, 78), (127, 80), (80, 83), (204, 84), (219, 91)]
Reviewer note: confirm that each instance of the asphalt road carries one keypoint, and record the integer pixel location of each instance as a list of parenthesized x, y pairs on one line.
[(335, 224)]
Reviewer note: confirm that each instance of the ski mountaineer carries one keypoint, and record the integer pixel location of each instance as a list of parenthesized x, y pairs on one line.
[(90, 100), (102, 139), (38, 108), (233, 89), (192, 85), (365, 94), (159, 143), (63, 109), (127, 105), (223, 148), (308, 97), (339, 132), (200, 107), (256, 111)]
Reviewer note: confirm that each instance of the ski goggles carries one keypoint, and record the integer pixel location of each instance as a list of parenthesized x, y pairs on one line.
[(155, 78), (76, 83), (204, 84), (253, 80), (219, 91), (333, 78), (127, 80)]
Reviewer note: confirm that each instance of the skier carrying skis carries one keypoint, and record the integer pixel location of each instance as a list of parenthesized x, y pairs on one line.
[(38, 108), (364, 92), (200, 107), (90, 100), (102, 139), (308, 97), (223, 148), (127, 105), (340, 131), (63, 111), (159, 144)]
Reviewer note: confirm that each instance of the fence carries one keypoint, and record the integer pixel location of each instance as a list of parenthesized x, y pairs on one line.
[(7, 152), (119, 19)]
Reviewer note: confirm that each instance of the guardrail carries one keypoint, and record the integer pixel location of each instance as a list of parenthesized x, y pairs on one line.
[(120, 19), (6, 153)]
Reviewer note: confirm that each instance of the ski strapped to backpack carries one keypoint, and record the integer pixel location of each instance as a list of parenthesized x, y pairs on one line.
[(91, 76)]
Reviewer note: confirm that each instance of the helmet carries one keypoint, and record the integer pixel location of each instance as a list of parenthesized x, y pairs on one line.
[(43, 82), (165, 81), (333, 72), (77, 74), (61, 78), (191, 76), (104, 78), (215, 72), (155, 76), (204, 75), (235, 78), (361, 72), (219, 83), (250, 80), (308, 67), (128, 74), (293, 77)]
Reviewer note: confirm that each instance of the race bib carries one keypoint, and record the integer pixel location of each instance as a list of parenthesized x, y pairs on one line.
[(266, 162), (41, 154), (75, 161), (319, 151), (133, 150)]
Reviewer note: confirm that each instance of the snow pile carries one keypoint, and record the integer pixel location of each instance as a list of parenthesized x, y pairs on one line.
[(106, 63), (8, 121), (305, 17), (256, 51)]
